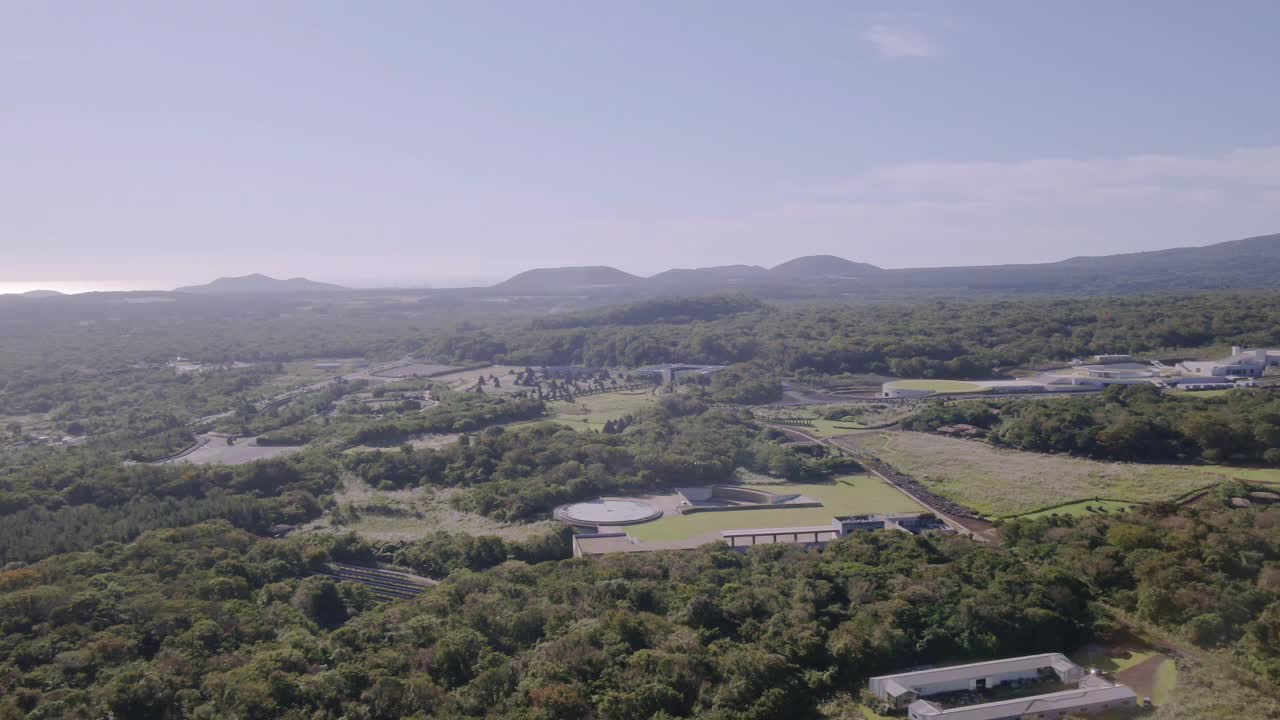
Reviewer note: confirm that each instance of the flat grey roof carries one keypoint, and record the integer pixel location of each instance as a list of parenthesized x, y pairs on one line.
[(1060, 701), (1057, 661), (803, 530)]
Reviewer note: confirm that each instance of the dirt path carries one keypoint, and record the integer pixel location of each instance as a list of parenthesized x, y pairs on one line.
[(1142, 677)]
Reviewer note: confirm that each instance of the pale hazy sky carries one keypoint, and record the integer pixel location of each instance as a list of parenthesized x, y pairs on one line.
[(373, 143)]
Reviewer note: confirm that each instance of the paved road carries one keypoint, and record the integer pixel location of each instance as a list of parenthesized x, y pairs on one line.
[(798, 395)]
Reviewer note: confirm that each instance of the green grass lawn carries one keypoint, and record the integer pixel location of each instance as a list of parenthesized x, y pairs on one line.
[(1166, 681), (591, 412), (1000, 482), (1080, 509), (832, 428), (1258, 475), (1202, 394), (940, 386), (848, 495)]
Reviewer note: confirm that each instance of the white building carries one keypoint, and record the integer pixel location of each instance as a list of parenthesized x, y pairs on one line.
[(903, 689), (1091, 698), (1090, 695), (1242, 363)]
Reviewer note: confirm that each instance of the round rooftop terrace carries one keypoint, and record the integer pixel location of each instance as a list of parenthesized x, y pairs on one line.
[(921, 388), (607, 511)]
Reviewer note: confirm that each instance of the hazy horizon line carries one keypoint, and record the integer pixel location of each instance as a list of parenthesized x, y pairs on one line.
[(79, 287)]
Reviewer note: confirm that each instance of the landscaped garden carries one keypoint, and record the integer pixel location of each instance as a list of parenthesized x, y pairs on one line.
[(847, 495)]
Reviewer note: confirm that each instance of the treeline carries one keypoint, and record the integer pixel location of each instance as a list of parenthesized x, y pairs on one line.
[(37, 533), (460, 412), (741, 384), (663, 310), (1133, 422), (54, 480), (941, 338), (1211, 576)]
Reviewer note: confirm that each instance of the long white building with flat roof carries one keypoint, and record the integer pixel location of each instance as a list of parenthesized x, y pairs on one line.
[(1091, 694), (1101, 697), (905, 688)]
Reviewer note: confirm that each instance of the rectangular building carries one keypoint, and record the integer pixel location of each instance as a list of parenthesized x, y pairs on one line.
[(905, 688), (1091, 695), (1051, 706)]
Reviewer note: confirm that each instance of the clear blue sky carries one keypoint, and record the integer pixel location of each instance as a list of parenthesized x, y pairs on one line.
[(154, 144)]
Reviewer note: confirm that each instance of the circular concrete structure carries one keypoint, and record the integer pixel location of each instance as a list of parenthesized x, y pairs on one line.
[(1111, 372), (922, 388), (607, 511)]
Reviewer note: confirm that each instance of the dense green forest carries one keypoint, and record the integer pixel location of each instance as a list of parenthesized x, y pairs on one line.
[(933, 337), (1126, 423), (209, 621), (52, 502), (938, 338)]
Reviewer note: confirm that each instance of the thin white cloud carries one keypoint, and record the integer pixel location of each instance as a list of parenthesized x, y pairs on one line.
[(901, 41), (1242, 172), (981, 213)]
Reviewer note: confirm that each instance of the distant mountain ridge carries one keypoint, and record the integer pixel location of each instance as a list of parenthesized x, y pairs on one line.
[(258, 283), (1236, 264), (811, 266), (1250, 263), (567, 280)]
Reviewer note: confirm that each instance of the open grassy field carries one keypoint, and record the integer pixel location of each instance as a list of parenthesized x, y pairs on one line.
[(1201, 394), (848, 495), (1256, 475), (940, 386), (1081, 509), (591, 412), (832, 428), (1000, 482), (1165, 682), (1200, 688), (466, 378)]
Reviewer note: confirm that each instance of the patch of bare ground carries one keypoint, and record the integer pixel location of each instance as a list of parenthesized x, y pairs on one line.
[(216, 451), (410, 514), (433, 442), (1142, 677)]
